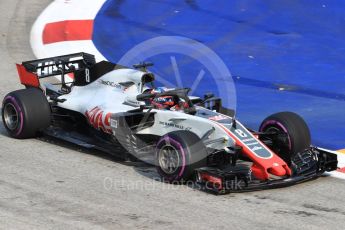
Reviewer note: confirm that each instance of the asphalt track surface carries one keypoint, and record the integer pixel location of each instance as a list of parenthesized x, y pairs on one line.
[(52, 185)]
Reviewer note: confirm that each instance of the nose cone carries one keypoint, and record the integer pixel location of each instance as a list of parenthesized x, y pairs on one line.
[(277, 170)]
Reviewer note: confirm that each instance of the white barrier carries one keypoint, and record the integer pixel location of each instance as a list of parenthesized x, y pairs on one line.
[(59, 11)]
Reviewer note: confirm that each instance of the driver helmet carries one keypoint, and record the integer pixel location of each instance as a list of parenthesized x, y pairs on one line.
[(166, 102), (158, 90)]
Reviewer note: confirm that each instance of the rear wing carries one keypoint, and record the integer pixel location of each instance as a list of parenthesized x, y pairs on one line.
[(53, 66), (31, 71)]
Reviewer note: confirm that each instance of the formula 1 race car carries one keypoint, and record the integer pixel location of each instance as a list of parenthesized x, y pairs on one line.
[(106, 105)]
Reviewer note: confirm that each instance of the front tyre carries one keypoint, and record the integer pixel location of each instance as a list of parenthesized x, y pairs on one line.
[(178, 154), (25, 112), (293, 135)]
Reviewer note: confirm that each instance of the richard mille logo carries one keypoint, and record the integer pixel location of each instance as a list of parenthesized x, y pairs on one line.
[(173, 125)]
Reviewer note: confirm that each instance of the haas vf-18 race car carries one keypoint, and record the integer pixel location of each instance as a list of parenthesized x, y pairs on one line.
[(119, 110)]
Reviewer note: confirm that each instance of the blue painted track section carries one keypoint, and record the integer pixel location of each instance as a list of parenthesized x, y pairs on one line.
[(285, 55)]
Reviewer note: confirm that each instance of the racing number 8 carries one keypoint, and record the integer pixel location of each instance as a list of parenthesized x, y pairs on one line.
[(87, 75)]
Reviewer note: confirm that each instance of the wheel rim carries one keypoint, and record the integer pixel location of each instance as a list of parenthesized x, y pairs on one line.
[(169, 159), (11, 116), (273, 129), (282, 141), (282, 147)]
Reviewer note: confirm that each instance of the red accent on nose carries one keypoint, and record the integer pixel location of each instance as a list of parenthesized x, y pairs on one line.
[(261, 166), (277, 170), (69, 30), (259, 172)]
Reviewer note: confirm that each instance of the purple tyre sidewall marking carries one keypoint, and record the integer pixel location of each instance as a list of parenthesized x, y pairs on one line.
[(16, 105), (179, 147), (280, 125)]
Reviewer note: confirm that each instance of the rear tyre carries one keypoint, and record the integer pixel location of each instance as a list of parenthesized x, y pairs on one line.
[(25, 112), (296, 138), (178, 154)]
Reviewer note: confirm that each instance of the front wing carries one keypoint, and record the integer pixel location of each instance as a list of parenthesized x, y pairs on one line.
[(309, 165)]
